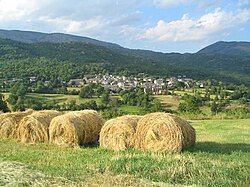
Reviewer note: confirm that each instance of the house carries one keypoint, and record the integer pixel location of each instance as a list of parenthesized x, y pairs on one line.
[(33, 79), (172, 81), (76, 82)]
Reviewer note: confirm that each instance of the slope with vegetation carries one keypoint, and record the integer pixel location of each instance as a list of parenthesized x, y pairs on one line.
[(228, 48), (212, 63)]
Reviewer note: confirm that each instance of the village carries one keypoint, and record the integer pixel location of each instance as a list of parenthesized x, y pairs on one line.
[(149, 84), (115, 83)]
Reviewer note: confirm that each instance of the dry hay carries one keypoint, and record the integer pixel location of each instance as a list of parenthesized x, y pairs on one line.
[(118, 133), (14, 173), (163, 132), (9, 123), (35, 127), (76, 128)]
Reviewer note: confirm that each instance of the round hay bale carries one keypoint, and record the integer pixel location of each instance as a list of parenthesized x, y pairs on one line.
[(163, 132), (118, 133), (9, 123), (76, 128), (35, 127)]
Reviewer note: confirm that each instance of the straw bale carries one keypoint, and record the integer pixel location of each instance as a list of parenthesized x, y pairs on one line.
[(164, 132), (118, 133), (9, 123), (35, 127), (76, 128)]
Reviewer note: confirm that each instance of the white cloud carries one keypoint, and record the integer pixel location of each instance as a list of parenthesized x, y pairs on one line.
[(243, 16), (73, 26), (128, 19), (127, 30), (203, 28), (243, 2), (16, 10), (169, 3), (204, 4), (200, 4)]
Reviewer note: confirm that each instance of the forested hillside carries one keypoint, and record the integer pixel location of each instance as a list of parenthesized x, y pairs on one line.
[(228, 48), (74, 59)]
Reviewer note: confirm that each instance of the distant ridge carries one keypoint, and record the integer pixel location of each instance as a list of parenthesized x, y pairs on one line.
[(228, 48), (33, 37), (225, 48)]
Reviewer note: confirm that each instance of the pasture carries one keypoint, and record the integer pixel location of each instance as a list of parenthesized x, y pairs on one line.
[(219, 158)]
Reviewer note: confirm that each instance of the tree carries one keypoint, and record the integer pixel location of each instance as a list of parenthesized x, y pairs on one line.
[(91, 105), (86, 91), (99, 90), (115, 102), (105, 98), (179, 84), (215, 107), (3, 104), (156, 106), (12, 99), (33, 103), (19, 106), (145, 100), (72, 104), (191, 104), (19, 89)]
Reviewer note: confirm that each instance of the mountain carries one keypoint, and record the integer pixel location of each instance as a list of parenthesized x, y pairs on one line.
[(29, 49), (33, 37), (228, 48)]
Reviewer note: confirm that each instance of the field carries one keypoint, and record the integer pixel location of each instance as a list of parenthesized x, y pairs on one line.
[(60, 98), (168, 102), (220, 158)]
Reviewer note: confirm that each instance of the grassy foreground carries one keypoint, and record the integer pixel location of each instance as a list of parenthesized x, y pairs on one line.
[(220, 158)]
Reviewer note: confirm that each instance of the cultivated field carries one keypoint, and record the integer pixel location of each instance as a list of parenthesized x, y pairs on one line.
[(220, 158)]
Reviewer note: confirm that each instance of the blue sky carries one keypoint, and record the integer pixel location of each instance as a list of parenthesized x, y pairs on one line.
[(160, 25)]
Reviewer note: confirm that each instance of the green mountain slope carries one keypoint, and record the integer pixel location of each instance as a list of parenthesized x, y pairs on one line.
[(115, 59), (33, 37), (228, 48)]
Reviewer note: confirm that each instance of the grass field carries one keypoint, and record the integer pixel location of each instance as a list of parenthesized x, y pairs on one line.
[(168, 101), (220, 158), (60, 98), (131, 109)]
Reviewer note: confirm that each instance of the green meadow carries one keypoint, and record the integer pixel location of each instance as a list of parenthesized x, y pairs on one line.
[(219, 158)]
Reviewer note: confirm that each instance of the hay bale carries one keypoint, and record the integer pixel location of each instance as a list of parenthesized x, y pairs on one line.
[(118, 133), (35, 127), (163, 132), (9, 123), (76, 128)]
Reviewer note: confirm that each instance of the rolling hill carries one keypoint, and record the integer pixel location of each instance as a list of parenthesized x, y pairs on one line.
[(33, 37), (228, 48)]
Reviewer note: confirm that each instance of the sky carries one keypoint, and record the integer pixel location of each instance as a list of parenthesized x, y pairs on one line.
[(159, 25)]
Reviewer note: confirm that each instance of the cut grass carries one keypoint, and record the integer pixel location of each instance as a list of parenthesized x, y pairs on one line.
[(168, 101), (17, 174), (220, 158), (60, 98)]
